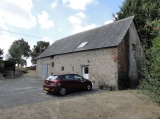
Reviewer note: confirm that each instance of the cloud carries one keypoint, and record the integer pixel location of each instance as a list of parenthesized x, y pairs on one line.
[(74, 20), (81, 14), (6, 41), (78, 4), (54, 4), (48, 40), (111, 21), (17, 13), (3, 28), (59, 29), (79, 28), (108, 22), (43, 20)]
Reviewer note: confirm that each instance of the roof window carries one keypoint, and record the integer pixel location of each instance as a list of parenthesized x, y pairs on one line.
[(82, 44)]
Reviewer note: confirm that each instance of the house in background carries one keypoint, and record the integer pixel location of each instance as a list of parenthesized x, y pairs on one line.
[(112, 52), (7, 68)]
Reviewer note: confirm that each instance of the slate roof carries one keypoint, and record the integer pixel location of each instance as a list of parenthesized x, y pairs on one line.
[(101, 37)]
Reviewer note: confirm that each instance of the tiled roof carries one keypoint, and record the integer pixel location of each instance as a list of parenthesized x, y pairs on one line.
[(101, 37)]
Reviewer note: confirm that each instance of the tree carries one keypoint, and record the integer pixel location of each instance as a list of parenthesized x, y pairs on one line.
[(15, 53), (38, 49), (24, 46), (19, 50), (146, 13), (1, 52), (150, 85)]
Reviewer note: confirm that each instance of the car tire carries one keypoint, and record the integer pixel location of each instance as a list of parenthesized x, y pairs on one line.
[(89, 87), (49, 92), (62, 91)]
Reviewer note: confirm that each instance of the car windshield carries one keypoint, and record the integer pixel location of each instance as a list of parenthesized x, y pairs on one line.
[(52, 77)]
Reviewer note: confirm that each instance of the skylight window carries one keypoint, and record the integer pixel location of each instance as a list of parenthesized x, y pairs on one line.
[(82, 44)]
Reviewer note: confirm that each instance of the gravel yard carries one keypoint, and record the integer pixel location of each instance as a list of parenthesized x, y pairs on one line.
[(25, 99)]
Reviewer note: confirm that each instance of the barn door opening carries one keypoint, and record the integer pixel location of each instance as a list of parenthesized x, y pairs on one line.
[(85, 72), (45, 71)]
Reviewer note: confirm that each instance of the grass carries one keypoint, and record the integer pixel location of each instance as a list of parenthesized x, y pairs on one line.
[(100, 105)]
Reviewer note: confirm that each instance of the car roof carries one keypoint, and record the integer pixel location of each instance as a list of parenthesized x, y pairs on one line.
[(64, 74)]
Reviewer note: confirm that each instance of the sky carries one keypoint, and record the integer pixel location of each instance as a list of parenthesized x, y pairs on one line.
[(51, 20)]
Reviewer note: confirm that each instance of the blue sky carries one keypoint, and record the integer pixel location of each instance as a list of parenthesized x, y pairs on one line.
[(51, 19)]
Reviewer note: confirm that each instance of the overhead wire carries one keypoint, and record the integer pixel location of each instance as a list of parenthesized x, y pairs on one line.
[(22, 34)]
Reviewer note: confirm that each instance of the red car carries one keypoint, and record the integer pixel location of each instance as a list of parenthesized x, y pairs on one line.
[(67, 82)]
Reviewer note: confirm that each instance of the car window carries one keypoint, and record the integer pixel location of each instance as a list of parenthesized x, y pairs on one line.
[(68, 77), (52, 77), (76, 77)]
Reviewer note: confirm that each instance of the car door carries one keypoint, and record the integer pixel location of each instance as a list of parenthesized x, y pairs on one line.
[(80, 82), (69, 82)]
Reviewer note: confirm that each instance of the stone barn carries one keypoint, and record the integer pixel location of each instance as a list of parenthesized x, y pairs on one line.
[(111, 53)]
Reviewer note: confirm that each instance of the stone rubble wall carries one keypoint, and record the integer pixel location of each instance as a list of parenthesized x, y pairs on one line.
[(102, 64)]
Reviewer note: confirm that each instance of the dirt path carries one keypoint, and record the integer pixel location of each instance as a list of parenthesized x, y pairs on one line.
[(100, 105)]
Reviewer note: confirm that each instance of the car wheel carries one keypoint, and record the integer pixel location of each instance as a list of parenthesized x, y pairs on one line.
[(49, 92), (62, 91), (89, 87)]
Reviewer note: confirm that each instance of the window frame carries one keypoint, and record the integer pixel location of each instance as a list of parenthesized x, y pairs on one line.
[(52, 64), (62, 68)]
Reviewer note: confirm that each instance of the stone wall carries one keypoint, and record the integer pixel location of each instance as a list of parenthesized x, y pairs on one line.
[(9, 73), (43, 61), (136, 57), (123, 63), (130, 58), (18, 73), (102, 64)]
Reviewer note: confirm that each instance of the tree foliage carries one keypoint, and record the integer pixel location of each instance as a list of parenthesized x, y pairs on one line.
[(146, 13), (150, 86), (1, 52), (24, 46), (15, 53), (40, 47), (19, 50)]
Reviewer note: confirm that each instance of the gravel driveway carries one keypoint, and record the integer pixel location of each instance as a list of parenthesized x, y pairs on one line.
[(24, 98), (27, 89)]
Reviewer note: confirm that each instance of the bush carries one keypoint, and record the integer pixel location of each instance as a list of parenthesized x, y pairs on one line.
[(31, 68), (23, 70), (150, 85)]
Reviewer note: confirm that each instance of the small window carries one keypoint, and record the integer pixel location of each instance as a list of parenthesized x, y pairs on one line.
[(134, 50), (52, 57), (52, 64), (62, 68), (82, 44), (86, 70), (72, 69), (133, 47)]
